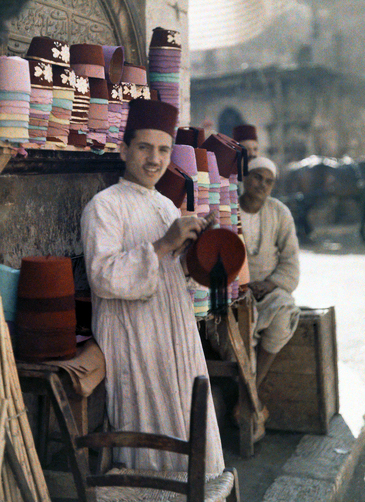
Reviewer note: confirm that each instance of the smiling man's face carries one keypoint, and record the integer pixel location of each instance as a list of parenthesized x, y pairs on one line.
[(147, 156)]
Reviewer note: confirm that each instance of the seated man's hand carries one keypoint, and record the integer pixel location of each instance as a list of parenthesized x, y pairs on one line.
[(261, 288)]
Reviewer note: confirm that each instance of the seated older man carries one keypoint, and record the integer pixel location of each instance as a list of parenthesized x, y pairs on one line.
[(273, 258)]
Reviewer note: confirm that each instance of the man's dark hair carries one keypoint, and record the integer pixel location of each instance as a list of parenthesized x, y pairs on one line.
[(128, 136)]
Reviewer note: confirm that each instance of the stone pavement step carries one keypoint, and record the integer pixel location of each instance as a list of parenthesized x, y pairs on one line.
[(300, 468), (320, 468)]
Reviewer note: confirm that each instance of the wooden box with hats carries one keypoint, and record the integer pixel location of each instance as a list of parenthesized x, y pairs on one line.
[(301, 388)]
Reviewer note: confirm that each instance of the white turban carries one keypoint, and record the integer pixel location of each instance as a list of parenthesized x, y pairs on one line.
[(262, 162)]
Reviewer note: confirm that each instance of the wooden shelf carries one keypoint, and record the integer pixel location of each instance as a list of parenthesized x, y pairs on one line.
[(57, 161)]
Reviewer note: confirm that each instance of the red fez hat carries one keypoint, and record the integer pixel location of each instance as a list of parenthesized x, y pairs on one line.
[(151, 114), (46, 317), (245, 131), (230, 155), (175, 184), (213, 243), (193, 136), (214, 260)]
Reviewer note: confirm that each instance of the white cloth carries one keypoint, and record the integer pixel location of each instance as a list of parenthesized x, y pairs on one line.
[(277, 259), (144, 322)]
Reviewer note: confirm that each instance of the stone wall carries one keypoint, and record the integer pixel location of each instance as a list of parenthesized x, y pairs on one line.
[(41, 198)]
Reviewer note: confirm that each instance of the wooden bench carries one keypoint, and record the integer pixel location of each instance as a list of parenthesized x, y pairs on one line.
[(235, 330)]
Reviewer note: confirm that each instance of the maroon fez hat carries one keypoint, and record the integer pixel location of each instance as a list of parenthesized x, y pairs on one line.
[(214, 260), (46, 316), (193, 136), (151, 114), (175, 184), (230, 155), (245, 131)]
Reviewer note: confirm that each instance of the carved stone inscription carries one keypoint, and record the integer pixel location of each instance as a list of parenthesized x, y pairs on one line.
[(73, 21)]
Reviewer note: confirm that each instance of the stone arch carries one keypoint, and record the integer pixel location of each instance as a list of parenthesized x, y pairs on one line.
[(228, 119), (104, 22)]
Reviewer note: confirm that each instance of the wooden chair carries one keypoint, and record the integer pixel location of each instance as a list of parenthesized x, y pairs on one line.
[(186, 487)]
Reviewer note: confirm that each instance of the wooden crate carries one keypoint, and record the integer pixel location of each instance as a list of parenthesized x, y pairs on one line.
[(301, 388)]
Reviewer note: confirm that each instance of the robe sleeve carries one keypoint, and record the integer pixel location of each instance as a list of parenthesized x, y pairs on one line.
[(113, 272), (286, 273)]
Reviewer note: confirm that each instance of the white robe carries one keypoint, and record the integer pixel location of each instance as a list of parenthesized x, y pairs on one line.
[(144, 322), (276, 257)]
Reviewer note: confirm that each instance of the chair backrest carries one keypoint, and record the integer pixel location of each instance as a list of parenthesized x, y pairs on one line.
[(194, 448)]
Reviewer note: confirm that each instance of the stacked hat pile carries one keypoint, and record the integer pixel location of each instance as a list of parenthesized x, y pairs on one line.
[(114, 62), (87, 60), (46, 316), (115, 115), (62, 104), (80, 112), (201, 295), (184, 157), (233, 195), (214, 186), (164, 64), (50, 61), (41, 98), (133, 86), (15, 92)]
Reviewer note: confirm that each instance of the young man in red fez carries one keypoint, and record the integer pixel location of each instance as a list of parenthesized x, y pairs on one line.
[(273, 260), (143, 319), (246, 135)]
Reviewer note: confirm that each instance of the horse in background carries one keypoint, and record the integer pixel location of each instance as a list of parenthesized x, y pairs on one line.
[(325, 182)]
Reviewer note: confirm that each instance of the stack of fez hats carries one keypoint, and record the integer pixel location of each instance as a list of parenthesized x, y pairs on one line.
[(15, 90), (214, 186), (184, 157), (52, 90), (46, 317), (87, 60), (41, 98), (80, 113), (164, 64), (114, 62), (133, 86), (62, 104)]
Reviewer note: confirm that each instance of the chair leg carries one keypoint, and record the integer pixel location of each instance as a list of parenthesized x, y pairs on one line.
[(66, 420), (234, 496)]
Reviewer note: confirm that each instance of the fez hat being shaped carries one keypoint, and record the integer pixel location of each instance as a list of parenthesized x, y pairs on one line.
[(150, 114), (48, 50), (213, 244), (46, 318), (231, 157), (175, 184), (88, 60), (193, 136), (114, 62), (244, 132)]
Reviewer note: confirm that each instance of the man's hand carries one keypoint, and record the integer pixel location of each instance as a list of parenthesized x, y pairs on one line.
[(261, 288), (181, 232)]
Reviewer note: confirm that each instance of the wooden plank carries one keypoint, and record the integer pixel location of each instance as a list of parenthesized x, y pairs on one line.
[(243, 360)]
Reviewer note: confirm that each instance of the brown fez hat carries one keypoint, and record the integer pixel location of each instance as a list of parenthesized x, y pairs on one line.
[(193, 136), (175, 184), (46, 316), (151, 114), (231, 157), (245, 131)]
